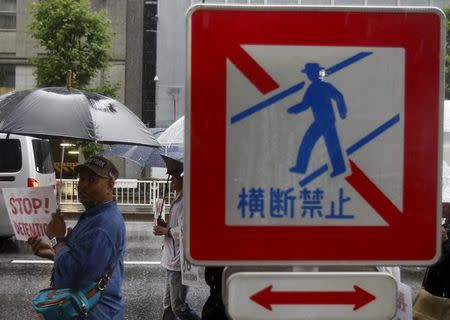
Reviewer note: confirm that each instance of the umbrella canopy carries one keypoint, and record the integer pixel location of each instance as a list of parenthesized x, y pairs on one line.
[(155, 159), (142, 155), (58, 112), (173, 135)]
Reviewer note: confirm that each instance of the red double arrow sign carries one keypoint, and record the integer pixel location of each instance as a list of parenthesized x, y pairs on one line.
[(358, 297)]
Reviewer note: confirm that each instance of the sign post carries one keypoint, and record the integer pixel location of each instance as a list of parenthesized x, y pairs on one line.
[(317, 132)]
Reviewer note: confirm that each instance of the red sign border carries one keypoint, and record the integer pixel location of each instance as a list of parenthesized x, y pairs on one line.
[(215, 34)]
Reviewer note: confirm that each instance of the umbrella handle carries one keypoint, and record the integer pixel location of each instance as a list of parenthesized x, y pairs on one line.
[(60, 179), (59, 190)]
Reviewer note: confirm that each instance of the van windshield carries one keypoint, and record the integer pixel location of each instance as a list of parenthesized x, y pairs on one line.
[(43, 156), (11, 155)]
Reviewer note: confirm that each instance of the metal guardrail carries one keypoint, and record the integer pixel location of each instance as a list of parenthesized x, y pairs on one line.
[(139, 195)]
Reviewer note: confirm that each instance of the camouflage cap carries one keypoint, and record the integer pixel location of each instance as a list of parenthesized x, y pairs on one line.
[(100, 166)]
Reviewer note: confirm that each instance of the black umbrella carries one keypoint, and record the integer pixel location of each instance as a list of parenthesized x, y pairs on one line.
[(64, 112), (59, 112), (174, 165)]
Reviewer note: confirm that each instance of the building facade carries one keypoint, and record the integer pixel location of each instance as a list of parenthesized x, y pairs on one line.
[(127, 17), (148, 49), (133, 55), (171, 44)]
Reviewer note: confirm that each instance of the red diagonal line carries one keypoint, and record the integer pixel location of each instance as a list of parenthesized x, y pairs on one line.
[(252, 70), (374, 196)]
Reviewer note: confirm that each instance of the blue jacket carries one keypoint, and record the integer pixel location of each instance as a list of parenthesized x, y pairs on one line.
[(96, 239)]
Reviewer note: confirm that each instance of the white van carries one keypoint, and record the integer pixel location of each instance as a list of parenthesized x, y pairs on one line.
[(24, 162)]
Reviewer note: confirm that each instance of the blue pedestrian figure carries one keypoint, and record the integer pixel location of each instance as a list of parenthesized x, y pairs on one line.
[(319, 97)]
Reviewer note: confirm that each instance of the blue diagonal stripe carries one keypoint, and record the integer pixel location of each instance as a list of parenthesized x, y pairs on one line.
[(347, 62), (279, 96), (267, 102), (353, 148), (314, 175), (375, 133)]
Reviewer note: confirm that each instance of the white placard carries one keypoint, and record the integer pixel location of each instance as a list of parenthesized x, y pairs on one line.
[(30, 210), (190, 274), (157, 207)]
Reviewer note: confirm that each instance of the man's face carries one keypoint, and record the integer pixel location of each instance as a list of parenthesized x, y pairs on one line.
[(176, 184), (93, 189)]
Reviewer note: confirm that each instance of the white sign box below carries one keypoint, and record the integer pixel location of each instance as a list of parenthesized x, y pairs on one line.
[(318, 295)]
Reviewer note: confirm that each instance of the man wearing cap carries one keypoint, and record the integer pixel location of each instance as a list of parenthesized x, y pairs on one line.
[(96, 243), (175, 306), (319, 97)]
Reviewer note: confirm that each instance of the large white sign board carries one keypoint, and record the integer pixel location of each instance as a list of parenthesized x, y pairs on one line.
[(307, 136)]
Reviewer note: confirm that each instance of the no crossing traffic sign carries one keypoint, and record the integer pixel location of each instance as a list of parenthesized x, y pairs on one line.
[(314, 135)]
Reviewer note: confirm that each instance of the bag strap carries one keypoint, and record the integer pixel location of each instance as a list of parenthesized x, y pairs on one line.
[(103, 281)]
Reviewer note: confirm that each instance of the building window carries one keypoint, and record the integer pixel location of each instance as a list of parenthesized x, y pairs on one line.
[(149, 63), (7, 14), (8, 20), (7, 78)]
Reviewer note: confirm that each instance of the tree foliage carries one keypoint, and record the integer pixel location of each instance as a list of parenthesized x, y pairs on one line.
[(108, 89), (89, 149), (75, 38)]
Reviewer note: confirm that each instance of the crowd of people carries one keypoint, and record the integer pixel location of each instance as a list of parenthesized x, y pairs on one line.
[(96, 246)]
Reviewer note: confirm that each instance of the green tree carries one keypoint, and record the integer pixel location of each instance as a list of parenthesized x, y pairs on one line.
[(77, 38), (90, 149)]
